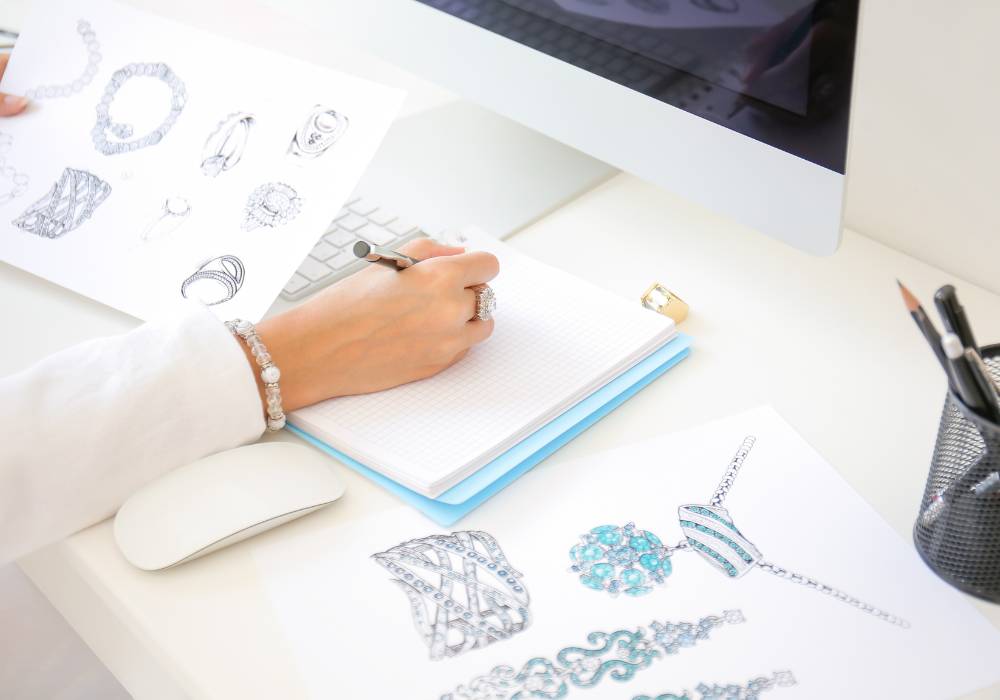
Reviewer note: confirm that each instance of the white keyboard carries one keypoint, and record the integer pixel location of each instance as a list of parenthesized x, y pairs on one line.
[(332, 259)]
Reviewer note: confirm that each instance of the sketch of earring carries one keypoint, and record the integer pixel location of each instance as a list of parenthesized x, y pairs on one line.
[(18, 180), (270, 205), (321, 129), (89, 38), (69, 203), (216, 281), (174, 212), (224, 146), (122, 130)]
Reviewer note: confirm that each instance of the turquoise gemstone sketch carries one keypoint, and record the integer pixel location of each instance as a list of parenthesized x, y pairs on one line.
[(621, 560), (750, 691), (711, 533), (607, 656)]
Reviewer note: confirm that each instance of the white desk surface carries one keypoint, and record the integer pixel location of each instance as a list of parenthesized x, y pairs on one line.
[(824, 340)]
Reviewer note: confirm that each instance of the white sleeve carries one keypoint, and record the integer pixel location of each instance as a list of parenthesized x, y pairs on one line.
[(84, 428)]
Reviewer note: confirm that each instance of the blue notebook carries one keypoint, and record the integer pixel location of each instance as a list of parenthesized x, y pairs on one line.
[(473, 491)]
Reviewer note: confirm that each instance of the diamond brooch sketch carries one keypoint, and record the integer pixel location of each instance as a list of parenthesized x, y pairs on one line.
[(321, 129), (216, 281), (70, 202), (463, 592), (122, 131), (270, 205), (621, 560), (617, 655), (224, 147)]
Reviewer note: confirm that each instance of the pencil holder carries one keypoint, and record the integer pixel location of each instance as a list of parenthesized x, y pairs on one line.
[(958, 529)]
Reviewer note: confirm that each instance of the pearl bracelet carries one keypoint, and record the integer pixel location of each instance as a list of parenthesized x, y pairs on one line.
[(269, 372)]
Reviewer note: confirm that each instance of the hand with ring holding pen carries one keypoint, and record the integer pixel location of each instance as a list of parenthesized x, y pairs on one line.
[(379, 327)]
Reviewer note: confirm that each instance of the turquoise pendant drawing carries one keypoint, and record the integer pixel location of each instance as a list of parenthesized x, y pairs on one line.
[(710, 532), (621, 560)]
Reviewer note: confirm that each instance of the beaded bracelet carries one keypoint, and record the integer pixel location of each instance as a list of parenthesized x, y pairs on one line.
[(269, 372)]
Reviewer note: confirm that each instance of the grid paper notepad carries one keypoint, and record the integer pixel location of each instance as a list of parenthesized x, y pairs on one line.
[(557, 340)]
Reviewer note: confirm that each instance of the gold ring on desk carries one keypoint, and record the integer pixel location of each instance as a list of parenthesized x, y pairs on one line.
[(661, 300)]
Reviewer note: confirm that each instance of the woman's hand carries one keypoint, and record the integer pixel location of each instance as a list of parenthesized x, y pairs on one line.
[(379, 327), (10, 104)]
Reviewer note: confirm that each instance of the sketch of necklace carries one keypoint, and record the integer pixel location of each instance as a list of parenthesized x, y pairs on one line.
[(632, 561), (18, 180), (89, 38)]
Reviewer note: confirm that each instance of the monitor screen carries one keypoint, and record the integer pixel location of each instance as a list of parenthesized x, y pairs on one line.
[(778, 71)]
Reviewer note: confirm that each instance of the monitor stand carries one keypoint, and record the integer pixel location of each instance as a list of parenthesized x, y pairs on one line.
[(460, 164)]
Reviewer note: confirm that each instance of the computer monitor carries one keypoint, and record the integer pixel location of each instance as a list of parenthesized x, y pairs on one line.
[(740, 105)]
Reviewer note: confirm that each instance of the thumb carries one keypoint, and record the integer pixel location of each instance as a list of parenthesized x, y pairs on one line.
[(12, 104)]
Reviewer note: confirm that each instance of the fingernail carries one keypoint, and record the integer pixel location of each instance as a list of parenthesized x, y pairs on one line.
[(14, 101)]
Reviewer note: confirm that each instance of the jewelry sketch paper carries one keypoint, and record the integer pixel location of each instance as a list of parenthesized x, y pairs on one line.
[(216, 281), (170, 107), (333, 606), (614, 656), (70, 202), (13, 182), (463, 592), (322, 128)]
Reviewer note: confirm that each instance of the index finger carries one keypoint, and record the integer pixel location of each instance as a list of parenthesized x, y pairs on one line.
[(477, 267)]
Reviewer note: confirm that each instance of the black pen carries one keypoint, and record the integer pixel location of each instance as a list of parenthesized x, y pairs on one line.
[(963, 377), (383, 256), (953, 316)]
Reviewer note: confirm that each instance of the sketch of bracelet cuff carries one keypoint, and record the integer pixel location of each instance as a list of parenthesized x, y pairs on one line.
[(173, 214), (224, 146), (322, 128), (216, 281), (463, 592), (69, 203), (272, 204), (123, 131)]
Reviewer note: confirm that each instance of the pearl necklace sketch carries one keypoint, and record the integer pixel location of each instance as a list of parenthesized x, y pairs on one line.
[(89, 38), (632, 561)]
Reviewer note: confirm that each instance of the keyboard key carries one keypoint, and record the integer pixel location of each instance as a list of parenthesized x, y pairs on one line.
[(401, 227), (376, 234), (340, 215), (381, 217), (297, 283), (352, 222), (323, 251), (363, 207), (343, 260), (314, 270), (339, 237)]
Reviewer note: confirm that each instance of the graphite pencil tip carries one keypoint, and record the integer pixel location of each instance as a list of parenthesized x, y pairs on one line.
[(911, 301)]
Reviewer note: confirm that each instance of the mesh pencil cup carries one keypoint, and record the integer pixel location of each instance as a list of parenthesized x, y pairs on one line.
[(957, 532)]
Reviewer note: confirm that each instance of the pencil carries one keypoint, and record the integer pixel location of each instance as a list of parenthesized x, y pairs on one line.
[(926, 327)]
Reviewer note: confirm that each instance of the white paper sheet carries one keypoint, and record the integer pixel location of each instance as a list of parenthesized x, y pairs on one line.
[(351, 631), (105, 257)]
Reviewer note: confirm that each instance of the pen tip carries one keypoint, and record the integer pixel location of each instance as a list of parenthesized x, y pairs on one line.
[(911, 301)]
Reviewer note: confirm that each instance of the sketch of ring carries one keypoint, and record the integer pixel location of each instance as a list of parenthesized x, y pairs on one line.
[(272, 204), (216, 281), (123, 131), (720, 6), (173, 214), (69, 203), (321, 129), (224, 146), (655, 7)]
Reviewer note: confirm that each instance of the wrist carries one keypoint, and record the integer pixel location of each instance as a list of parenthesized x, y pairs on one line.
[(266, 372)]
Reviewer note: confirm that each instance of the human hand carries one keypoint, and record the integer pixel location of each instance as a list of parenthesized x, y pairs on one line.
[(379, 327), (9, 104)]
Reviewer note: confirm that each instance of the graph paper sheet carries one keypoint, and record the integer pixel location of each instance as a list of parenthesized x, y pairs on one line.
[(557, 340)]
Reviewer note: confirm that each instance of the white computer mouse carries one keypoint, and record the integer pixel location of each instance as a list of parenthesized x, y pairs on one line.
[(222, 499)]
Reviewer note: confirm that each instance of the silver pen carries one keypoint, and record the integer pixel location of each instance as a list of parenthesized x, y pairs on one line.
[(384, 256)]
